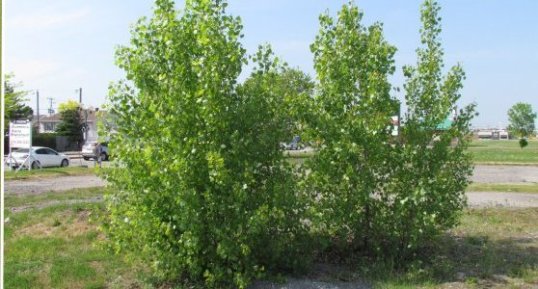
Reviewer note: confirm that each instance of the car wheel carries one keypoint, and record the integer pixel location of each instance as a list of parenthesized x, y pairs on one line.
[(86, 158), (65, 163), (104, 157), (36, 165)]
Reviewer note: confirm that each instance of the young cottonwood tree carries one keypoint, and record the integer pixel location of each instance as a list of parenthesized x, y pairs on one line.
[(354, 108), (432, 165), (201, 188), (372, 191)]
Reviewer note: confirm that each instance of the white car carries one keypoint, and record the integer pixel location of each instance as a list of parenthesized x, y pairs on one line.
[(40, 157)]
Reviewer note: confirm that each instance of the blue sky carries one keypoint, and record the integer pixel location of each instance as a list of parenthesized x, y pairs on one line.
[(57, 46)]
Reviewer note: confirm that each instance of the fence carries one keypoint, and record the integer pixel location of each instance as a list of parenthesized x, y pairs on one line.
[(53, 141)]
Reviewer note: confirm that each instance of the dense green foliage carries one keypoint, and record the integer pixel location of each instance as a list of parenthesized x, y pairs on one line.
[(293, 90), (374, 192), (353, 112), (207, 194), (14, 102), (71, 124), (44, 139), (521, 118), (432, 166)]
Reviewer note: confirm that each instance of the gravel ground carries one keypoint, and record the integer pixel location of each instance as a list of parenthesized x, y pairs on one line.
[(43, 185), (483, 174), (309, 284), (505, 174), (496, 199)]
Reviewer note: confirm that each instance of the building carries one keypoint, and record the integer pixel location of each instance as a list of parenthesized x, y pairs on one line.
[(48, 123), (492, 133)]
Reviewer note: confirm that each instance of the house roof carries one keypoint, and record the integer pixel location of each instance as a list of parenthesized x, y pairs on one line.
[(49, 118), (56, 118)]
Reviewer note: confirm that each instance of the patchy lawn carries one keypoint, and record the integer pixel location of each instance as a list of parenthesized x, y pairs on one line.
[(60, 246)]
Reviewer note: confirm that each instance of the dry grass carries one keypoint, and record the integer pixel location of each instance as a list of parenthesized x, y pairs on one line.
[(71, 225)]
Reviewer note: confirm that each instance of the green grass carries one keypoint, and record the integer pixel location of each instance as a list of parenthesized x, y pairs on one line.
[(60, 246), (504, 152), (516, 188), (47, 172)]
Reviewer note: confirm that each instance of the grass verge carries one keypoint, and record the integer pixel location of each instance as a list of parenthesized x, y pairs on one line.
[(513, 188), (506, 152), (47, 172)]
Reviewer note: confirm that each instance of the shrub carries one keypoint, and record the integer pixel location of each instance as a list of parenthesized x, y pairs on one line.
[(371, 191), (206, 194)]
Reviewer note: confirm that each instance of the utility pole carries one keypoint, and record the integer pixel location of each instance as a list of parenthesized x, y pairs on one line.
[(37, 101), (85, 129), (51, 110)]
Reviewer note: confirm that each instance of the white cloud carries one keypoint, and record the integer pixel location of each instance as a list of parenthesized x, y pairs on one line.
[(48, 19)]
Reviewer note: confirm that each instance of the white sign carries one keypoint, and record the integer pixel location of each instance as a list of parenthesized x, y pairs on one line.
[(20, 134)]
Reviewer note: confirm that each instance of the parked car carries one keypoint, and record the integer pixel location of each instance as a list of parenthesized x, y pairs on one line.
[(40, 157), (88, 151)]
